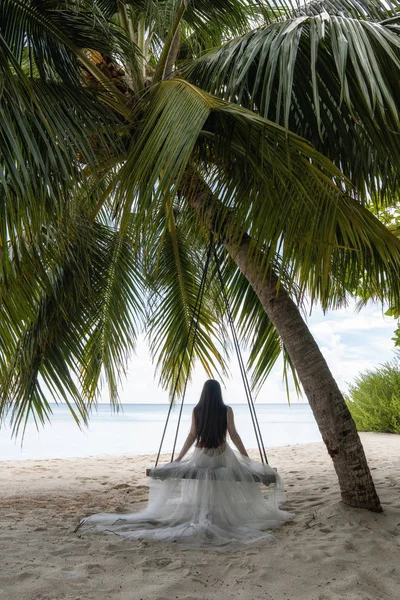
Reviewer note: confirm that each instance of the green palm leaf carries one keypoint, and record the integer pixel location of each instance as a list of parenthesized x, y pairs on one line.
[(256, 332), (51, 34), (116, 311), (254, 166), (72, 316), (42, 322), (48, 131), (174, 266), (202, 17), (181, 118), (327, 74)]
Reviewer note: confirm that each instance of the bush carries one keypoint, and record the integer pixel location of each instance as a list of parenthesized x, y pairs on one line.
[(374, 400)]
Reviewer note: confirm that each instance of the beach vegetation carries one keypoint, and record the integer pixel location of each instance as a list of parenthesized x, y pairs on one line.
[(374, 399)]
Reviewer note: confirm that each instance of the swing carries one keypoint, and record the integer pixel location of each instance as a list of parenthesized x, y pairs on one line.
[(164, 473)]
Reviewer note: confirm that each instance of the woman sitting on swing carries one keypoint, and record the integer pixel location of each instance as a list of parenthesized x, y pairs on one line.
[(209, 497)]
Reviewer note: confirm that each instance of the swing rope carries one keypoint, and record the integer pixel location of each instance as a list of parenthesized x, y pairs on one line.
[(194, 325), (242, 368)]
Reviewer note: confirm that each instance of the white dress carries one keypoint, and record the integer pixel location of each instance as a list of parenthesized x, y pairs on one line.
[(209, 498)]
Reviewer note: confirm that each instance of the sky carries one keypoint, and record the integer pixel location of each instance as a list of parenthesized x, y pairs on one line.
[(351, 342)]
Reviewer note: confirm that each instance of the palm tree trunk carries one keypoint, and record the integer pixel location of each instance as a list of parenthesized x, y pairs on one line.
[(335, 423)]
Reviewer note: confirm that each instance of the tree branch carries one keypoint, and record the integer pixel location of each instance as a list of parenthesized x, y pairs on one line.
[(161, 67), (173, 53)]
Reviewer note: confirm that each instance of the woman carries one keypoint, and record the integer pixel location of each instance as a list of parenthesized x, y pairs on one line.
[(211, 496)]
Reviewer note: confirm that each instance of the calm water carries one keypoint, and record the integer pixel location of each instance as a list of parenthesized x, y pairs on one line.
[(137, 429)]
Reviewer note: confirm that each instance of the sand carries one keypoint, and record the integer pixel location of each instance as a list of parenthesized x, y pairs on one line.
[(329, 552)]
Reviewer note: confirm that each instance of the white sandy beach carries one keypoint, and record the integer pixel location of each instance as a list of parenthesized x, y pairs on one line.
[(329, 552)]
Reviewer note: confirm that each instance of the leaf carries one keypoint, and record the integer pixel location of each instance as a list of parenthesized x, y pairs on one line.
[(73, 315), (326, 74), (175, 264)]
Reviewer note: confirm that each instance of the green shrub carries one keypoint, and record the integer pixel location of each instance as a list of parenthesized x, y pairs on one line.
[(374, 399)]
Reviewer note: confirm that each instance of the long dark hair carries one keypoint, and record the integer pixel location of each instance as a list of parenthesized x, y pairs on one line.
[(210, 416)]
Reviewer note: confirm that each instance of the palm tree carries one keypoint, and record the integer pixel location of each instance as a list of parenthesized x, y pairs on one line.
[(113, 171), (325, 71)]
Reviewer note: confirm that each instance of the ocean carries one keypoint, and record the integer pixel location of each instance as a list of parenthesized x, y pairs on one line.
[(137, 429)]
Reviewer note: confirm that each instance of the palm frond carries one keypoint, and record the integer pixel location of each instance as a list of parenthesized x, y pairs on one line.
[(50, 34), (378, 10), (42, 316), (48, 131), (254, 166), (327, 76), (202, 17), (116, 314), (174, 266), (326, 241), (180, 116), (73, 316)]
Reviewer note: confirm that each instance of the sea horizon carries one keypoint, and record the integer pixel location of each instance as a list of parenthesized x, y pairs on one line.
[(136, 428)]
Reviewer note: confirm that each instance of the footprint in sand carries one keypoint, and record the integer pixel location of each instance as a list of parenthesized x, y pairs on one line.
[(155, 562), (73, 576), (24, 576), (121, 486), (94, 569), (122, 509)]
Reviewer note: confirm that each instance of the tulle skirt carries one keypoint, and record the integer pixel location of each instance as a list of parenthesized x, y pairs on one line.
[(208, 499)]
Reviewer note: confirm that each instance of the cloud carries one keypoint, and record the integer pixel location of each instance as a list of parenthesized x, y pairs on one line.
[(351, 342)]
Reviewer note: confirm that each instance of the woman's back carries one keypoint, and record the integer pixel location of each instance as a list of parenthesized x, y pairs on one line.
[(211, 423), (211, 427), (210, 439), (210, 417)]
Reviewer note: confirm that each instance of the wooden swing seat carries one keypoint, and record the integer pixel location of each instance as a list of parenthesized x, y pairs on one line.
[(165, 473)]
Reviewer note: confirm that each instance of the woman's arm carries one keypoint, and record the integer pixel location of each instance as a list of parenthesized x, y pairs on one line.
[(235, 437), (189, 440)]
